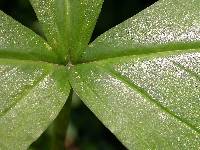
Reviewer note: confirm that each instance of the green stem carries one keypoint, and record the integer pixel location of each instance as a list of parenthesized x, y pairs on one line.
[(58, 129)]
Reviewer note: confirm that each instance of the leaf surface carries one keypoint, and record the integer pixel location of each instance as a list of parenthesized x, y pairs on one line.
[(142, 78), (32, 94), (83, 19), (19, 42), (68, 24), (165, 26), (148, 102)]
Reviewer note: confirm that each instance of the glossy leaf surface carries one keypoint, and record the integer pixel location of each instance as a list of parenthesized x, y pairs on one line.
[(148, 96), (148, 101), (19, 42), (54, 17), (145, 85), (165, 26), (83, 19), (32, 94), (68, 24)]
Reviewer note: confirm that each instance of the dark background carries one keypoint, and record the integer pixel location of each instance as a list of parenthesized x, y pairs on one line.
[(85, 132)]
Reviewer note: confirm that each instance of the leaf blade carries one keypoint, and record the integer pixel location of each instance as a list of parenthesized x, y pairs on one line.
[(146, 101), (19, 42), (84, 16), (68, 24), (32, 95), (50, 15), (166, 25)]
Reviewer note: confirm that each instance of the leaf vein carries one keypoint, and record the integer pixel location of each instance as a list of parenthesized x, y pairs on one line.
[(24, 94), (145, 94), (101, 119), (192, 73), (157, 53)]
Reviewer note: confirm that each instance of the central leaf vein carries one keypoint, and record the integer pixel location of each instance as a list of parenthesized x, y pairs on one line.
[(146, 95), (24, 94)]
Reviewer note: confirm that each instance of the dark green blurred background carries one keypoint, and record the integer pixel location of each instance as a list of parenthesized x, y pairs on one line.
[(85, 131)]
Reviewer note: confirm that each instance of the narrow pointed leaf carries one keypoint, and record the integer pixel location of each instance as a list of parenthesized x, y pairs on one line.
[(149, 101), (32, 94), (19, 42), (166, 25), (84, 14), (68, 24), (54, 17)]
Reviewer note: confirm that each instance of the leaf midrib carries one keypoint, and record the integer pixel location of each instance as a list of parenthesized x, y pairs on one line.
[(147, 96), (153, 54), (27, 61), (25, 93), (137, 51), (69, 64)]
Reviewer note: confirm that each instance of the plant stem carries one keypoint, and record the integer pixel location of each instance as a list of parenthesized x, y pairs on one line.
[(58, 129)]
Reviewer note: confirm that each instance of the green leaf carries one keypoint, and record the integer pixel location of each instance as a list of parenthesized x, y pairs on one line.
[(84, 14), (19, 42), (165, 26), (32, 94), (54, 17), (68, 24), (142, 78), (148, 101)]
